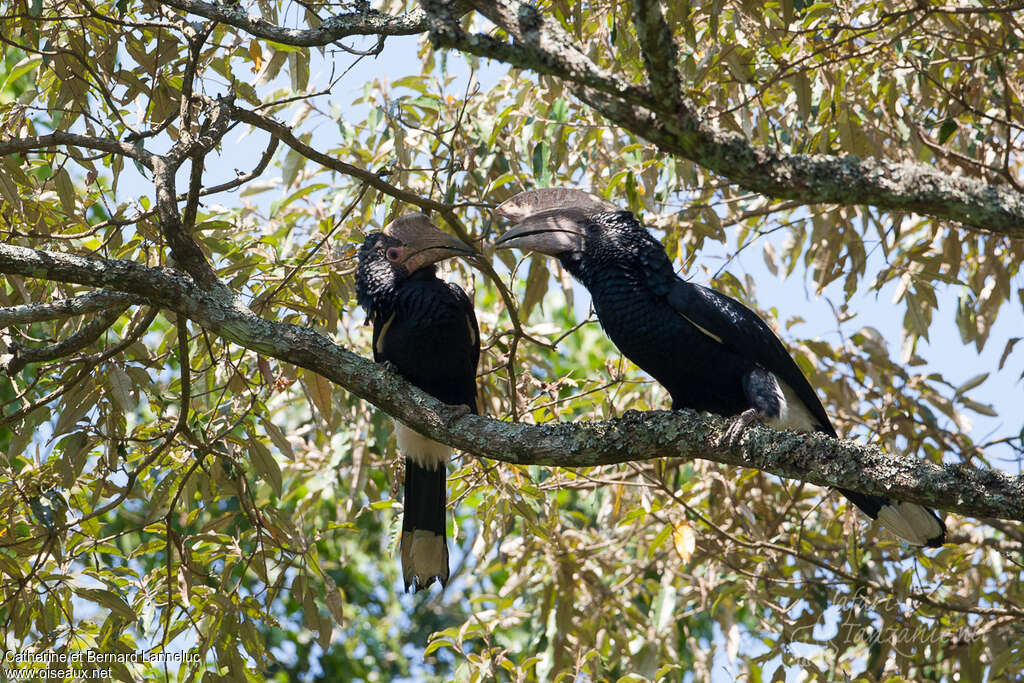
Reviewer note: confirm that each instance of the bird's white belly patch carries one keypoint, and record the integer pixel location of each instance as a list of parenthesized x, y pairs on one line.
[(792, 412), (426, 453)]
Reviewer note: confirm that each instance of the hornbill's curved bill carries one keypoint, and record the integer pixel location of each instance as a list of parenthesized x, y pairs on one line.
[(427, 330), (709, 351), (421, 243), (550, 220)]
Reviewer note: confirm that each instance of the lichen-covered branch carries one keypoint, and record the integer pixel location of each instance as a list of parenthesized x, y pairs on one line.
[(813, 458), (61, 138), (65, 308), (539, 38), (659, 51), (20, 356), (184, 248), (676, 126), (365, 22)]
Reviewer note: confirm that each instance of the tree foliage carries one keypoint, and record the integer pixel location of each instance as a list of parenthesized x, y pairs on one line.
[(189, 464)]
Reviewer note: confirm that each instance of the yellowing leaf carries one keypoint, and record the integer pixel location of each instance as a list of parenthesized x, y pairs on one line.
[(320, 393), (536, 285), (256, 53), (684, 539)]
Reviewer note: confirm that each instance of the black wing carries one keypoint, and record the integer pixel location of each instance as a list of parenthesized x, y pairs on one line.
[(474, 331), (432, 339), (745, 334)]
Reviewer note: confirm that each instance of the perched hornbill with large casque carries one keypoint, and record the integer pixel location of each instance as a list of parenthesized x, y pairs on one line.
[(709, 351), (427, 330)]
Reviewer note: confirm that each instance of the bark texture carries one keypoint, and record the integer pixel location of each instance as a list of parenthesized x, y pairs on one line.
[(813, 458)]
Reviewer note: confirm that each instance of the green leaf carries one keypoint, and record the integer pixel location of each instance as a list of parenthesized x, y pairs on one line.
[(247, 93), (108, 599), (120, 385), (1007, 350), (74, 455), (20, 69), (980, 408), (265, 464), (946, 131), (541, 157), (298, 69), (293, 163), (76, 404), (972, 383), (559, 110), (65, 190), (536, 285)]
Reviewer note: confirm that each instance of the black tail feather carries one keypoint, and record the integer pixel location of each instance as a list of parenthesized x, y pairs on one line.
[(424, 541)]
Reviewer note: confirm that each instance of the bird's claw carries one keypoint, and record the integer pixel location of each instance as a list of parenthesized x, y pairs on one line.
[(389, 366), (734, 434)]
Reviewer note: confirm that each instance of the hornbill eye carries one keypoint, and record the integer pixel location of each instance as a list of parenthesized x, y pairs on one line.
[(393, 254)]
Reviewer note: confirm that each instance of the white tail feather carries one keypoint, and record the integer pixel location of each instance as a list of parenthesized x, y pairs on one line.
[(424, 556), (911, 522)]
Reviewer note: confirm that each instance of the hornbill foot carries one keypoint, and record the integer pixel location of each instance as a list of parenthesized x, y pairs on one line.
[(389, 366), (734, 434), (454, 413)]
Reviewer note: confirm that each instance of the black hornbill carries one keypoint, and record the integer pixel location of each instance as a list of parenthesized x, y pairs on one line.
[(709, 351), (426, 329)]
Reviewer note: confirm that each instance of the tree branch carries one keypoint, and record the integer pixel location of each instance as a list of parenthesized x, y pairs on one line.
[(539, 45), (814, 458), (65, 308), (185, 249), (243, 178), (367, 22), (58, 138), (678, 127), (90, 362), (659, 51), (845, 179), (20, 356), (284, 133), (213, 129)]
